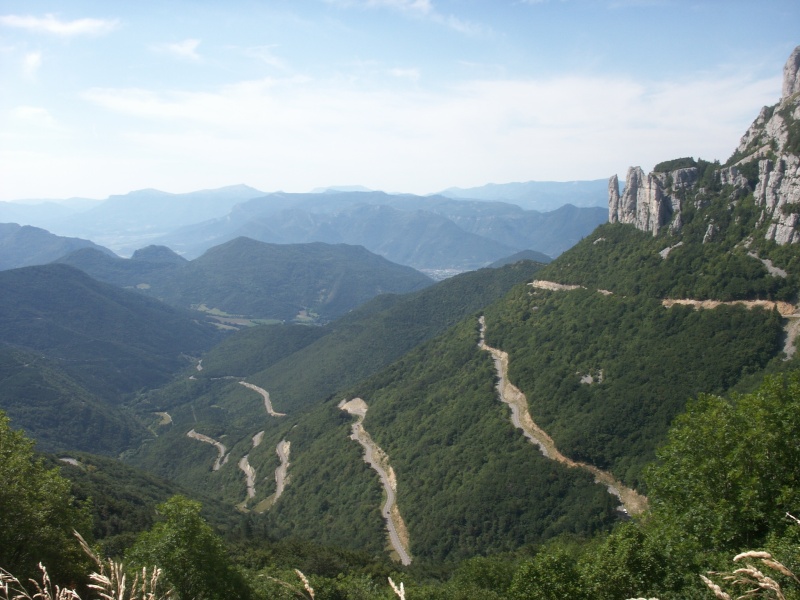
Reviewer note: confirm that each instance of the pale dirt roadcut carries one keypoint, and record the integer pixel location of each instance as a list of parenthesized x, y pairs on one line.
[(265, 394), (221, 449), (281, 479), (789, 312), (281, 476), (249, 474), (633, 502), (791, 318), (379, 461), (248, 470)]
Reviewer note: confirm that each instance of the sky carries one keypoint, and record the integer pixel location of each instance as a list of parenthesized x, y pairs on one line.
[(106, 97)]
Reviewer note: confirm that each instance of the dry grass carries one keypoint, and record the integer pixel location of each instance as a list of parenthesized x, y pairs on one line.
[(11, 588), (400, 591), (750, 579), (109, 582)]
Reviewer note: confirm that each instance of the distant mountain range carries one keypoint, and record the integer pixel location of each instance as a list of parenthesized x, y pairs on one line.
[(538, 195), (423, 232), (458, 230), (24, 246)]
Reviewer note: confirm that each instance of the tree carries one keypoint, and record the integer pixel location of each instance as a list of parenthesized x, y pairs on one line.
[(628, 563), (193, 558), (731, 468), (37, 514), (551, 575)]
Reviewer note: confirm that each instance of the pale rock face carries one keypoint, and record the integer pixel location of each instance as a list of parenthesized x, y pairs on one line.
[(650, 202), (613, 199), (791, 75), (711, 230), (778, 187), (779, 179), (754, 131), (645, 203), (637, 205), (732, 176), (777, 130), (684, 178)]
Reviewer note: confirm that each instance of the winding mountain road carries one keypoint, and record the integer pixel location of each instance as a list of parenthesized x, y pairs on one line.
[(633, 502), (249, 471), (249, 474), (379, 461), (221, 449), (265, 394), (789, 312)]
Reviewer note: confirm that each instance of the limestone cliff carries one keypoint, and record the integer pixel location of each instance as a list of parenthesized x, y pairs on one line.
[(649, 201), (654, 201)]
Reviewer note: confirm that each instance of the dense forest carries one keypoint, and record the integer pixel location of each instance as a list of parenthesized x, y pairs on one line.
[(377, 453), (725, 481)]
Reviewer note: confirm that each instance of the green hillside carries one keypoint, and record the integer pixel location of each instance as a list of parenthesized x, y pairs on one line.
[(123, 499), (243, 277), (58, 411), (462, 469), (301, 367), (616, 424), (605, 366), (72, 349)]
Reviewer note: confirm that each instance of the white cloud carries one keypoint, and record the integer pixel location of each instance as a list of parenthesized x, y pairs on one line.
[(51, 24), (267, 56), (410, 74), (416, 8), (422, 7), (187, 49), (310, 133), (34, 115), (31, 63)]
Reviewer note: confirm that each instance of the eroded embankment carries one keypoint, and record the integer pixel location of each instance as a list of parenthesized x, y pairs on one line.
[(379, 461), (248, 470), (249, 475), (221, 449), (632, 501), (265, 394), (281, 473), (789, 312)]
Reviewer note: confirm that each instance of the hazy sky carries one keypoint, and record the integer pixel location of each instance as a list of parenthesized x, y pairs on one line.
[(100, 98)]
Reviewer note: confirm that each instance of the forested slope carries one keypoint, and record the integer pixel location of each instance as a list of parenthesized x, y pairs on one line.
[(300, 367)]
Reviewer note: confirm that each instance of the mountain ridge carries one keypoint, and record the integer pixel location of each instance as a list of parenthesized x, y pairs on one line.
[(248, 278)]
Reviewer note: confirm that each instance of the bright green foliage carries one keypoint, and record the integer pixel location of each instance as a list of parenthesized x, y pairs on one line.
[(731, 468), (37, 513), (301, 367), (53, 407), (194, 560), (551, 575), (124, 499), (652, 359), (628, 563), (469, 483), (676, 163), (626, 261)]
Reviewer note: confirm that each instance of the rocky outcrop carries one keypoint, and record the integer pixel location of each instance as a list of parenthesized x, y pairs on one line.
[(774, 140), (651, 202), (791, 75), (778, 191)]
